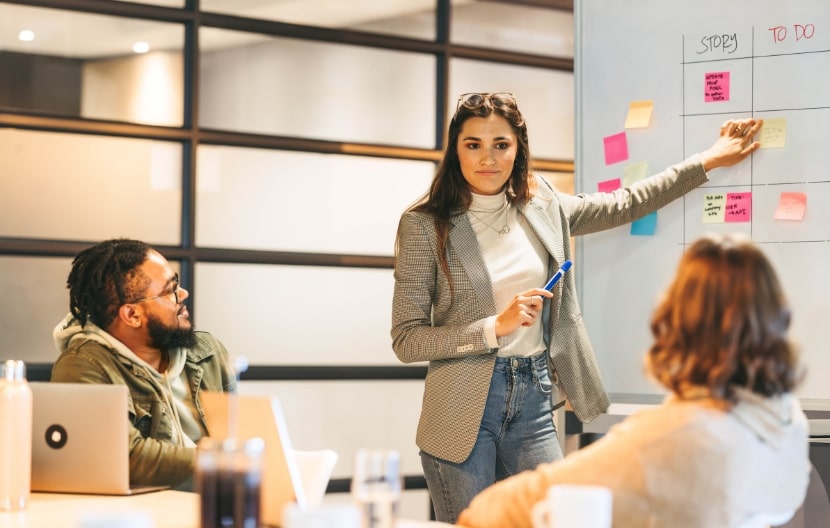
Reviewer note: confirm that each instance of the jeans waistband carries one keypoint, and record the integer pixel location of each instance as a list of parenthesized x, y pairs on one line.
[(518, 363)]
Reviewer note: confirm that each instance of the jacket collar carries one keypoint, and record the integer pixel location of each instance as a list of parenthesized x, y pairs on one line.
[(201, 351)]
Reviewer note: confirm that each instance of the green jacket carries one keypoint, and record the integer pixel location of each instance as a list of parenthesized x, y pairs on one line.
[(157, 456)]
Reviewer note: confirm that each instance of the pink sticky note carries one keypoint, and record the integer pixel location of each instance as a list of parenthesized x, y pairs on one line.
[(791, 206), (616, 148), (716, 87), (738, 207), (609, 185)]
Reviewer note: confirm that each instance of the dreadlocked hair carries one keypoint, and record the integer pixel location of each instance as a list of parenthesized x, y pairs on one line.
[(105, 276)]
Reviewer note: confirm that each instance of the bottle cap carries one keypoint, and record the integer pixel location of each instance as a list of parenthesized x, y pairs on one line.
[(13, 370)]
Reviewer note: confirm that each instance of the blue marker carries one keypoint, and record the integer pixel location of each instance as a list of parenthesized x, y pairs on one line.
[(558, 275)]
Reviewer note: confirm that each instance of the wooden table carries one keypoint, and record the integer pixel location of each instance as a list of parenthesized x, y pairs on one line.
[(164, 509)]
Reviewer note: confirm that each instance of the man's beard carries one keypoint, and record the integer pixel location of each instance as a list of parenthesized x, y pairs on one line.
[(167, 338)]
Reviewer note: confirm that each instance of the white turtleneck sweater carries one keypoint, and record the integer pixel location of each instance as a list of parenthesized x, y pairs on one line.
[(516, 261)]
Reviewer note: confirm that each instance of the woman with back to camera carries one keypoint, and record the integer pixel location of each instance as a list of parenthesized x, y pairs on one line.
[(471, 257), (729, 444)]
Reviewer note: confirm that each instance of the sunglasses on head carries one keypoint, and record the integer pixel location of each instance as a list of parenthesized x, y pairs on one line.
[(474, 100)]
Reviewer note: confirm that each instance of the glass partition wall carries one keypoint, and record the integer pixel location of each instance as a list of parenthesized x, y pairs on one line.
[(267, 148)]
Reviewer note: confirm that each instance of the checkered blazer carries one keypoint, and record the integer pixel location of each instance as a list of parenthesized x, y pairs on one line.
[(431, 324)]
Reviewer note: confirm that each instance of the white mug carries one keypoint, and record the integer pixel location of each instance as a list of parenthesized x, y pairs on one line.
[(574, 506), (323, 516), (122, 519)]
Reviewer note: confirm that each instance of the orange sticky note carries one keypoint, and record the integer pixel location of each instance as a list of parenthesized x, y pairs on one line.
[(791, 206), (639, 114)]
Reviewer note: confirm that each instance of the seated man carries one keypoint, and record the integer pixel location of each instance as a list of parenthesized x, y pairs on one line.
[(729, 443), (128, 325)]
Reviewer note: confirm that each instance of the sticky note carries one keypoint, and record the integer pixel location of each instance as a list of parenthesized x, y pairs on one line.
[(639, 114), (608, 185), (774, 133), (616, 148), (716, 87), (645, 226), (738, 207), (714, 207), (634, 172), (791, 206)]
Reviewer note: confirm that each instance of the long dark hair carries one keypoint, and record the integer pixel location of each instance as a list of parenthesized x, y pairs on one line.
[(105, 276), (723, 322), (449, 193)]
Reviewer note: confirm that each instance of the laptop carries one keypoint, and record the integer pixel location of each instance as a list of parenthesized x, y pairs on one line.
[(259, 416), (80, 437)]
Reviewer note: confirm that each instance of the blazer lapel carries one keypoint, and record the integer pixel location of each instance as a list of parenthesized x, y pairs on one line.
[(463, 240), (549, 234)]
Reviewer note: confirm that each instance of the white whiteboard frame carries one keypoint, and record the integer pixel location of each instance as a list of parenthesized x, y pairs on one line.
[(634, 50)]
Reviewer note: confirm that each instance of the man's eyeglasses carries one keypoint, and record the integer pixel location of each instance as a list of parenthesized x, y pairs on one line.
[(172, 291), (475, 100)]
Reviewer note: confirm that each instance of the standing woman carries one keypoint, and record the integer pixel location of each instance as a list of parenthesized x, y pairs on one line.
[(471, 257)]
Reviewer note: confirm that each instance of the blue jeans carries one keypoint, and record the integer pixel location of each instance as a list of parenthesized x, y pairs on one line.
[(517, 433)]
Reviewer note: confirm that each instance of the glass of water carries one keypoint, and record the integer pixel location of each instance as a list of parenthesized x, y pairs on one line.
[(376, 486)]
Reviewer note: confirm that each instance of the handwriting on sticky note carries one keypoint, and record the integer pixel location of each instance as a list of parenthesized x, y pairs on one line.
[(645, 226), (634, 172), (738, 207), (639, 114), (716, 87), (714, 208), (774, 133), (616, 148), (608, 185), (791, 206)]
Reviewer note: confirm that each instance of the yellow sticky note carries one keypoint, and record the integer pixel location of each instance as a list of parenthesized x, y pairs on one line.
[(774, 133), (714, 208), (634, 172), (639, 114)]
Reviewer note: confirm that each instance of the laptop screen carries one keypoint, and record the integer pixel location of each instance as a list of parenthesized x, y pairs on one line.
[(242, 416)]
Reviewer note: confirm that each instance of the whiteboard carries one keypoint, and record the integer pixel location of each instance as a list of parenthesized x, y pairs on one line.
[(777, 55)]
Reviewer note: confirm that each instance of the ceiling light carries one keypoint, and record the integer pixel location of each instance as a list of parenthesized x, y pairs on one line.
[(141, 47), (27, 35)]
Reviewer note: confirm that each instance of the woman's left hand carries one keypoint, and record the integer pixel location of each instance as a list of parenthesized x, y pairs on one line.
[(734, 144)]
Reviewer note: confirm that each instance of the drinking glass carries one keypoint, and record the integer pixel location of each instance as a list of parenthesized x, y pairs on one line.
[(376, 486), (228, 480)]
